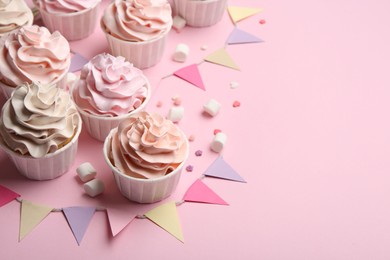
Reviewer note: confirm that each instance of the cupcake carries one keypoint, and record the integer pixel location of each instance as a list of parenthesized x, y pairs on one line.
[(109, 90), (137, 30), (74, 19), (39, 130), (13, 15), (146, 154), (200, 13), (30, 54)]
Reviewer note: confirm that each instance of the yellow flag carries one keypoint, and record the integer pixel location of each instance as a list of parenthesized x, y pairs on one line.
[(221, 57), (239, 13), (31, 215)]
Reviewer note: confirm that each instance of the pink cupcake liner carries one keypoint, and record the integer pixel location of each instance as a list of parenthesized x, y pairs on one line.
[(200, 13), (61, 82), (48, 167), (73, 26), (142, 54), (143, 190), (99, 127)]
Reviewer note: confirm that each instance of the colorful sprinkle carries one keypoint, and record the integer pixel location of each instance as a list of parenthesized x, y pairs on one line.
[(262, 21), (191, 138), (236, 103), (189, 168), (198, 153), (159, 104), (216, 131)]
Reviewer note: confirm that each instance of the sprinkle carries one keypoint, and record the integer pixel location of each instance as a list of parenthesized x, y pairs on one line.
[(236, 103), (216, 131), (198, 153), (204, 47), (189, 168), (262, 21), (191, 138), (159, 104), (234, 85)]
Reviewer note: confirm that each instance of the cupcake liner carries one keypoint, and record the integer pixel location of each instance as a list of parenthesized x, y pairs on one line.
[(200, 13), (99, 127), (143, 190), (73, 26), (48, 167), (142, 54), (60, 81)]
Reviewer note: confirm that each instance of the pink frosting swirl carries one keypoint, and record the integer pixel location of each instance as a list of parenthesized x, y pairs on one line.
[(13, 15), (147, 146), (65, 6), (33, 54), (137, 20), (110, 86)]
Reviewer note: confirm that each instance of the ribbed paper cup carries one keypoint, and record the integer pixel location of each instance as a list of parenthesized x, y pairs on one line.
[(142, 54), (143, 190), (73, 26), (99, 127), (200, 13), (61, 82), (48, 167)]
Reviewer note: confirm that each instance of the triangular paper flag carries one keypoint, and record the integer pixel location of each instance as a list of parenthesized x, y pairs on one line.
[(238, 13), (191, 74), (220, 169), (200, 192), (7, 195), (118, 219), (78, 219), (167, 218), (31, 216), (221, 57), (239, 36), (77, 62)]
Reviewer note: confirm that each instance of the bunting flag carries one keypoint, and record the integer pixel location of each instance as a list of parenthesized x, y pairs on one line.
[(239, 37), (200, 192), (191, 74), (167, 218), (77, 62), (7, 195), (238, 13), (221, 57), (118, 219), (31, 216), (78, 219), (221, 169)]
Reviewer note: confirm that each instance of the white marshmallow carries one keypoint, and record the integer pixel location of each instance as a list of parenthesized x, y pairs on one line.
[(176, 113), (234, 85), (219, 142), (178, 23), (86, 172), (212, 107), (181, 53), (94, 187), (203, 47)]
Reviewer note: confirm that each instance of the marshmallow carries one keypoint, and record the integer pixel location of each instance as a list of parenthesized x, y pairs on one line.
[(203, 47), (181, 53), (94, 187), (86, 172), (219, 142), (234, 85), (212, 107), (178, 23), (176, 113)]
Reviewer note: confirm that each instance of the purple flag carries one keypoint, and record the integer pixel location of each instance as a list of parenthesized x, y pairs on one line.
[(220, 169), (78, 219)]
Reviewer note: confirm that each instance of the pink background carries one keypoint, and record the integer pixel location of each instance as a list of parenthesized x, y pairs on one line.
[(312, 138)]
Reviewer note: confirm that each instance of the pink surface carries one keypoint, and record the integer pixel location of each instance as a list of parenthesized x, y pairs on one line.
[(311, 138)]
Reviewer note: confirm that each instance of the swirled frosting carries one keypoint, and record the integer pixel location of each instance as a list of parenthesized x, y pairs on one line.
[(33, 54), (66, 6), (13, 15), (137, 20), (38, 120), (147, 146), (110, 86)]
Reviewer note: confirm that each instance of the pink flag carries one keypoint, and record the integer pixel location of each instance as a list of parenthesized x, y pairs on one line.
[(191, 74), (7, 195), (118, 219), (200, 192)]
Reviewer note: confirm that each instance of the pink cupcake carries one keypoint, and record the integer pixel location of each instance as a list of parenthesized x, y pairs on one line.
[(13, 15), (74, 19), (39, 130), (146, 153), (137, 30), (33, 54), (200, 13), (109, 90)]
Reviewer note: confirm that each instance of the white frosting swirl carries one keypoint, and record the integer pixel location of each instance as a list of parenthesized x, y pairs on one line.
[(13, 15), (66, 6), (38, 120)]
